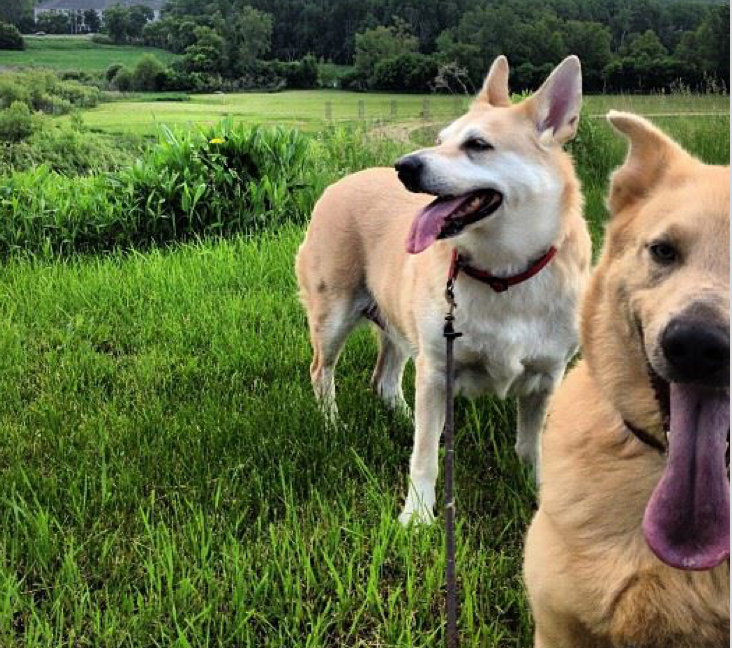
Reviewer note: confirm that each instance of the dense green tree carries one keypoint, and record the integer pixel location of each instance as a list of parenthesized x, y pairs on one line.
[(645, 46), (137, 17), (10, 38), (126, 23), (116, 23), (207, 52), (591, 42), (247, 38), (640, 43), (92, 21), (463, 56), (379, 44), (53, 23), (16, 12)]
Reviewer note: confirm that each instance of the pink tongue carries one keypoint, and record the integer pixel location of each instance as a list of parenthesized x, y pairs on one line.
[(686, 522), (428, 222)]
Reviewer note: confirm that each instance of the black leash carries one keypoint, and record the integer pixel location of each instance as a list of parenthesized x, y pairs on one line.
[(451, 599), (498, 284)]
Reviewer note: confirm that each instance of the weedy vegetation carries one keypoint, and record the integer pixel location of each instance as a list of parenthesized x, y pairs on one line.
[(165, 476)]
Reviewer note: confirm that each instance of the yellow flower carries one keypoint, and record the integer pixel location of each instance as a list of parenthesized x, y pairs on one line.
[(217, 140)]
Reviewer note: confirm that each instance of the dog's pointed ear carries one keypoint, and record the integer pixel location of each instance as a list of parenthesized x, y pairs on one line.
[(495, 87), (555, 106), (651, 155)]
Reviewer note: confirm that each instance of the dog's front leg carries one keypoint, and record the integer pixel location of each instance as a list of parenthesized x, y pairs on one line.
[(531, 417), (429, 421)]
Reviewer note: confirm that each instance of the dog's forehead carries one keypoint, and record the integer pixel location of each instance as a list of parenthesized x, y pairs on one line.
[(694, 205), (490, 122), (695, 216)]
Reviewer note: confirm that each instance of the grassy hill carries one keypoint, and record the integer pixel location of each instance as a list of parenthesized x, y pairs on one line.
[(76, 53)]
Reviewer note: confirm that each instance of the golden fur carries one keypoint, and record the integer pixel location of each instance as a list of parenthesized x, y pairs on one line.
[(592, 580)]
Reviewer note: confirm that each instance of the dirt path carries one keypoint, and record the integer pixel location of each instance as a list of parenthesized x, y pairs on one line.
[(401, 131)]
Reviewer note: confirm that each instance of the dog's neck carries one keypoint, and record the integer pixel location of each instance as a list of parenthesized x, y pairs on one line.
[(507, 253), (529, 223)]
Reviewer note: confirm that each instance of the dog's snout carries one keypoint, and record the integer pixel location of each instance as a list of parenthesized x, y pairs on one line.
[(697, 351), (409, 169)]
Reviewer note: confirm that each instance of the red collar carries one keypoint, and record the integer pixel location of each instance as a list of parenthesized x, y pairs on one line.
[(499, 284)]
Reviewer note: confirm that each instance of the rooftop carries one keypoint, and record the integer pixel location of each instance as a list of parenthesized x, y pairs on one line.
[(98, 5)]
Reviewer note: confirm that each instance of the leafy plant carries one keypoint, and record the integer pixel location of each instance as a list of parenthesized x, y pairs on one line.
[(10, 38), (217, 182)]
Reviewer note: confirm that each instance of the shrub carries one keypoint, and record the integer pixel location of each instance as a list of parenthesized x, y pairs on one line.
[(111, 71), (221, 181), (228, 179), (10, 38), (69, 150), (149, 74), (124, 80), (303, 74), (44, 91), (11, 91), (411, 72), (102, 39), (354, 80), (17, 122)]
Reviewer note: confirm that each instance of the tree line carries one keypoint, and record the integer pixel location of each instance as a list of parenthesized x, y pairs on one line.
[(420, 45)]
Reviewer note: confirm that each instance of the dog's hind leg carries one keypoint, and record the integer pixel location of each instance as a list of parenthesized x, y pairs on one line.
[(531, 417), (388, 373), (330, 322)]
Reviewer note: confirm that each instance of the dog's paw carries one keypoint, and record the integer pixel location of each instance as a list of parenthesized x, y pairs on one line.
[(529, 455), (418, 509), (420, 516), (329, 410)]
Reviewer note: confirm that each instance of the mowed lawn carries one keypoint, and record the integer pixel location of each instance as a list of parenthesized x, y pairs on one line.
[(310, 109), (77, 53), (167, 480)]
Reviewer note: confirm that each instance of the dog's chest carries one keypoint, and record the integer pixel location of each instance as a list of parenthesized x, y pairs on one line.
[(512, 353)]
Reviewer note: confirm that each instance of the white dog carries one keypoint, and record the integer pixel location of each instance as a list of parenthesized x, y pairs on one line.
[(508, 203)]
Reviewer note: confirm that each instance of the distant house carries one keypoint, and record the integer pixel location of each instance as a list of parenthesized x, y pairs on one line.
[(77, 7)]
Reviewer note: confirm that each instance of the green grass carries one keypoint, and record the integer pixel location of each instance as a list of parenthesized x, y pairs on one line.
[(76, 53), (166, 479), (307, 108)]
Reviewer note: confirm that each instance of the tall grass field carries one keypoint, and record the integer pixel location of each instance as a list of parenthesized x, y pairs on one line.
[(166, 478), (77, 53)]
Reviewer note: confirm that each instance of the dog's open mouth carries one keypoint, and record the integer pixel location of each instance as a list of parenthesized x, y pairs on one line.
[(686, 521), (447, 216)]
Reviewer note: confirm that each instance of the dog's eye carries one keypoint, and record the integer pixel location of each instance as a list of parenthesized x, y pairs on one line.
[(477, 144), (663, 252)]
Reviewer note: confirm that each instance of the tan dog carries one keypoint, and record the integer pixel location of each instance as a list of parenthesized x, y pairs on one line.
[(507, 192), (621, 524)]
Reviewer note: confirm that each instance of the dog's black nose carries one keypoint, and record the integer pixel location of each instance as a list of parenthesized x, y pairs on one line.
[(697, 351), (409, 169)]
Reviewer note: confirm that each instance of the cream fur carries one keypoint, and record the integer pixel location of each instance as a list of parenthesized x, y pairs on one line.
[(514, 343)]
